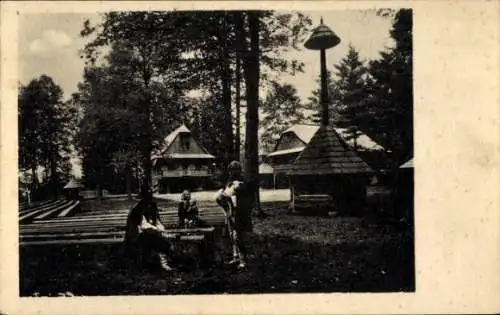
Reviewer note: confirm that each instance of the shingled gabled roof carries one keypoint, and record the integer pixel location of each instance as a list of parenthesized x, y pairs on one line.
[(303, 132), (327, 153), (306, 132), (169, 140), (173, 135), (73, 184)]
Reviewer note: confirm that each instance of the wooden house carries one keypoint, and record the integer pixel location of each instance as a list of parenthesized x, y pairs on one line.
[(72, 189), (290, 144), (182, 163), (330, 174), (295, 139), (266, 176)]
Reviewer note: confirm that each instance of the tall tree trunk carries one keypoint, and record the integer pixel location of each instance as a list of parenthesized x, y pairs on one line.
[(138, 176), (148, 167), (226, 93), (53, 175), (239, 37), (128, 181), (34, 181), (237, 146), (251, 67), (228, 124), (45, 173), (148, 146)]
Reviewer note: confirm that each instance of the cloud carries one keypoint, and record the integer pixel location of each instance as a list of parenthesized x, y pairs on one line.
[(50, 40)]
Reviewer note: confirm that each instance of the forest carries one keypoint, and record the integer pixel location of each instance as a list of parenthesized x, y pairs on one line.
[(148, 72)]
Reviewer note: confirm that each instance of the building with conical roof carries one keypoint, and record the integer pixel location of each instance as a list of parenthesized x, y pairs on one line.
[(295, 139), (182, 163), (330, 168)]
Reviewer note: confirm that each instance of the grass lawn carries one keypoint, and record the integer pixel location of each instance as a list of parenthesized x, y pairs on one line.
[(289, 253)]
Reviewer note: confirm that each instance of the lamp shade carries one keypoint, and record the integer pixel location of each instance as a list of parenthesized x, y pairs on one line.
[(322, 38)]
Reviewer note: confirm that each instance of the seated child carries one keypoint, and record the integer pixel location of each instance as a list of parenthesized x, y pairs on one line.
[(187, 210)]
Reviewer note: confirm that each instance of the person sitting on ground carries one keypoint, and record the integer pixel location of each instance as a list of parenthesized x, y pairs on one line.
[(187, 211), (234, 199), (144, 232)]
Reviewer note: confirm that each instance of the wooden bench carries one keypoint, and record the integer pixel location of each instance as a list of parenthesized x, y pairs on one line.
[(203, 238), (108, 234), (97, 241), (33, 213), (303, 202), (116, 221), (24, 208), (38, 205), (63, 210), (69, 210), (109, 228)]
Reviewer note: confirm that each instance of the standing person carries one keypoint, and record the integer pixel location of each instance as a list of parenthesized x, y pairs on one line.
[(234, 199), (144, 232)]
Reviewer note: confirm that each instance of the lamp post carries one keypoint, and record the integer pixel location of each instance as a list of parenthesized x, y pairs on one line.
[(322, 39)]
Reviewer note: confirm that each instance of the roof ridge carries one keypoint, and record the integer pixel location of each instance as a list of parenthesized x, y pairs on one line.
[(173, 135)]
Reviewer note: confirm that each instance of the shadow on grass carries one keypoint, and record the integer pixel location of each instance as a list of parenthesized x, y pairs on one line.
[(277, 265)]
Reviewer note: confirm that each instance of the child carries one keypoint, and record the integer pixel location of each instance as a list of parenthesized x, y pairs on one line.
[(187, 210), (234, 200)]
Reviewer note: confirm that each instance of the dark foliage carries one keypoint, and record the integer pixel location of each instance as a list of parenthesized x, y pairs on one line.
[(46, 125)]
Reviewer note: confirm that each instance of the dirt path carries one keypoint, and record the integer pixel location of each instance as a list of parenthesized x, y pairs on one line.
[(266, 195)]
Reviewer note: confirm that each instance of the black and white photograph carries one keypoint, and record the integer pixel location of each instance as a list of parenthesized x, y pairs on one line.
[(253, 157), (215, 152)]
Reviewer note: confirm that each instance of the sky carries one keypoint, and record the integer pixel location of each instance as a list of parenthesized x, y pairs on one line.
[(49, 44)]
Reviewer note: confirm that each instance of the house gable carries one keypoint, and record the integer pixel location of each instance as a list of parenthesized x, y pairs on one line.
[(181, 144), (297, 136), (184, 143), (289, 140)]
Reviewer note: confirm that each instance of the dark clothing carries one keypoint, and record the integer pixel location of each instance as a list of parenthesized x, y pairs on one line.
[(143, 237), (135, 217), (152, 240), (187, 211)]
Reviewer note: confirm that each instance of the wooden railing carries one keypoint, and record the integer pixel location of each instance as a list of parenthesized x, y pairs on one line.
[(181, 173)]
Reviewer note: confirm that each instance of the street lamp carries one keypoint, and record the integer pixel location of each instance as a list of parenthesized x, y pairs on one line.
[(322, 39)]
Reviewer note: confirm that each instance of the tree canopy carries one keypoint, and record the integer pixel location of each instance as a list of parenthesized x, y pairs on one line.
[(46, 127), (376, 97), (176, 52), (281, 108)]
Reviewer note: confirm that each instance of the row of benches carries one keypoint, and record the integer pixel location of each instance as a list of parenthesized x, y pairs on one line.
[(110, 228), (44, 210), (23, 207)]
